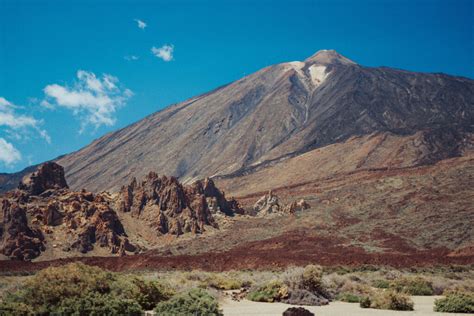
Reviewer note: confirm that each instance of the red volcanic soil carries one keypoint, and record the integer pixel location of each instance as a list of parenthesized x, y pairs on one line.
[(292, 248)]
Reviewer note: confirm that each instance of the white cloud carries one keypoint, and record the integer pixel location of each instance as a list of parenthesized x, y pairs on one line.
[(17, 125), (8, 154), (46, 104), (165, 52), (130, 57), (140, 24), (94, 100)]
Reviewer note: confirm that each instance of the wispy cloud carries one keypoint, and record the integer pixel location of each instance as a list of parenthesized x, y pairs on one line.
[(165, 52), (94, 100), (19, 126), (140, 24), (8, 153), (130, 57)]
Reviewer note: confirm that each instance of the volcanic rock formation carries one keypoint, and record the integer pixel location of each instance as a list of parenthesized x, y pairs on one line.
[(270, 204), (169, 207), (267, 204), (43, 204), (43, 213), (48, 176), (18, 240)]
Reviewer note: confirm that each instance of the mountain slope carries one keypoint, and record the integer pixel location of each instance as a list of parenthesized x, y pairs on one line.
[(374, 152), (278, 112)]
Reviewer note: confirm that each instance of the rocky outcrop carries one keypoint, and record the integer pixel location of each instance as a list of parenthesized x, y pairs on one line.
[(216, 200), (19, 241), (43, 212), (296, 206), (49, 175), (270, 204), (267, 204), (101, 226), (43, 205), (169, 207)]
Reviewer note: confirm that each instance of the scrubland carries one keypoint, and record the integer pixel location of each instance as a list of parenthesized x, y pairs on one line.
[(82, 289)]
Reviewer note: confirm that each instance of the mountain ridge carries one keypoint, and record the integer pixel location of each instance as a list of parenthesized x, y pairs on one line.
[(279, 111)]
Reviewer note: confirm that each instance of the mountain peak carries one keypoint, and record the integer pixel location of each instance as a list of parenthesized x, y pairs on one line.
[(329, 56)]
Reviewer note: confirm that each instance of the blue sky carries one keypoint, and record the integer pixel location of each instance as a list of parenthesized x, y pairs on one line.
[(71, 71)]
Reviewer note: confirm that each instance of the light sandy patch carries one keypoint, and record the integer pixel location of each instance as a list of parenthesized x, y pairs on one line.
[(318, 74), (423, 306)]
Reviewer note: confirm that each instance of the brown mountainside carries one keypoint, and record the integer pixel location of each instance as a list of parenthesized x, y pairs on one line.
[(281, 111)]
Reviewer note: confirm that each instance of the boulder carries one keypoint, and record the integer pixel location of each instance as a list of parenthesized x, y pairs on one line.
[(297, 311), (48, 176), (51, 214), (305, 297), (267, 204), (296, 206)]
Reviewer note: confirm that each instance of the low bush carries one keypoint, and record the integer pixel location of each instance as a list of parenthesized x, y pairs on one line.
[(94, 304), (456, 303), (459, 288), (413, 286), (391, 300), (356, 288), (192, 302), (365, 302), (271, 292), (309, 278), (222, 282), (145, 293), (381, 284), (219, 281), (348, 297), (293, 277), (80, 289), (312, 278), (299, 286)]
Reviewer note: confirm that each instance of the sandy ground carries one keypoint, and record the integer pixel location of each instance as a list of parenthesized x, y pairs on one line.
[(423, 306)]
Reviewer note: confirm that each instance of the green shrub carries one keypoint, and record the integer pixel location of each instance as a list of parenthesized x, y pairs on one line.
[(391, 300), (381, 284), (14, 307), (193, 302), (271, 292), (413, 286), (222, 282), (312, 278), (44, 291), (145, 293), (348, 297), (355, 288), (80, 289), (96, 305), (456, 303), (365, 302)]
